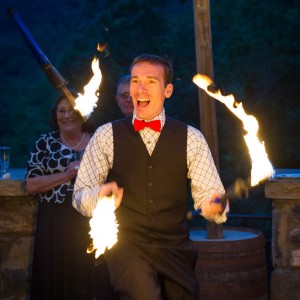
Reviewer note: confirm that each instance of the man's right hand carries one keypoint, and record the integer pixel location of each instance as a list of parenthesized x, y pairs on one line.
[(111, 189)]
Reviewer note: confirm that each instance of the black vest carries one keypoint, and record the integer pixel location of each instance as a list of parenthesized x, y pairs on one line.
[(154, 204)]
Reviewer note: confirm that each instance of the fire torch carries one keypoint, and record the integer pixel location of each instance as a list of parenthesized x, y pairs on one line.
[(56, 79), (238, 190), (261, 167)]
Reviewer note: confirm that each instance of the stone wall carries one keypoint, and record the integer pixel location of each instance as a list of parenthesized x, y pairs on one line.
[(17, 226), (18, 213), (285, 193)]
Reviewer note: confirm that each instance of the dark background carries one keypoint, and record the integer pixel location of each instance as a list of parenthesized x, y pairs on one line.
[(256, 56)]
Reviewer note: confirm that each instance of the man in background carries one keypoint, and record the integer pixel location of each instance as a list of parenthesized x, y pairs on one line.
[(123, 97)]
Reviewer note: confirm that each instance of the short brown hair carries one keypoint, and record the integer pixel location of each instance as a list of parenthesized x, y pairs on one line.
[(156, 59)]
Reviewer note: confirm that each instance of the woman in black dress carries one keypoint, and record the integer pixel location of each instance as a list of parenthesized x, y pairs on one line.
[(61, 267)]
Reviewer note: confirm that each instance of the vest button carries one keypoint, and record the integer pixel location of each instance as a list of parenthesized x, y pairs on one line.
[(150, 184), (150, 219)]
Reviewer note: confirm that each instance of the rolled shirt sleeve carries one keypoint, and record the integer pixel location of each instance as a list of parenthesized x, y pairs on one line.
[(94, 167), (205, 180)]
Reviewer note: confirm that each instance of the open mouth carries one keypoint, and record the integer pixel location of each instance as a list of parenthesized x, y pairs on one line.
[(143, 102), (68, 122)]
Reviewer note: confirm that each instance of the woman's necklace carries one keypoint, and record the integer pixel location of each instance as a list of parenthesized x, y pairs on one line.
[(72, 147)]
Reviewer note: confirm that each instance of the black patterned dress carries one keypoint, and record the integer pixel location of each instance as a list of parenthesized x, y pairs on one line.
[(61, 268)]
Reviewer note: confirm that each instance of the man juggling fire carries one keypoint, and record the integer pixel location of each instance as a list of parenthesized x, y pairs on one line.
[(144, 162)]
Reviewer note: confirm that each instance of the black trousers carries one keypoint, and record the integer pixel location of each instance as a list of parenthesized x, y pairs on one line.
[(152, 272), (103, 287)]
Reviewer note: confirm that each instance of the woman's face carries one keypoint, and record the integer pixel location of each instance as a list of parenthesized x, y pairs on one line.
[(67, 118)]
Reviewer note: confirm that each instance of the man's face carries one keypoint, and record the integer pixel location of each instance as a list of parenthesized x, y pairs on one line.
[(124, 100), (147, 89)]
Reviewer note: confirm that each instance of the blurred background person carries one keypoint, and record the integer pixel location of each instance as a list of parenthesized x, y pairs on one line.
[(123, 97), (61, 267)]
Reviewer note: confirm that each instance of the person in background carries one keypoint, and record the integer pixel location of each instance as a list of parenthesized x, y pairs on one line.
[(145, 161), (123, 97), (61, 267)]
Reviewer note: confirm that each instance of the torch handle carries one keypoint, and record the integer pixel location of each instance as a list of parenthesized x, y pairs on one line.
[(56, 79), (237, 190), (36, 50)]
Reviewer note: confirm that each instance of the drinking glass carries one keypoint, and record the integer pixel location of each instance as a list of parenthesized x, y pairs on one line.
[(4, 159)]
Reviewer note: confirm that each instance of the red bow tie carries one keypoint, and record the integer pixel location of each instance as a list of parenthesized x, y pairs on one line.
[(139, 125)]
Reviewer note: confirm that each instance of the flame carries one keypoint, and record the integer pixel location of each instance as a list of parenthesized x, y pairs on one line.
[(261, 166), (104, 48), (104, 226), (86, 103)]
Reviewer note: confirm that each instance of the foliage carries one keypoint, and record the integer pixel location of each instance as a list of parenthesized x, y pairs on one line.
[(256, 57), (255, 52)]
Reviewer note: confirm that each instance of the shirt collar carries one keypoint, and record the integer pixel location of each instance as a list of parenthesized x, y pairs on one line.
[(161, 117)]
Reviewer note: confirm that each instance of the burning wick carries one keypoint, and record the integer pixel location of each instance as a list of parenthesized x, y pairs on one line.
[(86, 103), (261, 166), (104, 226), (103, 48)]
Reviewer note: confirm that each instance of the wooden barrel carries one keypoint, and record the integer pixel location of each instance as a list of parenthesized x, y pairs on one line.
[(233, 267)]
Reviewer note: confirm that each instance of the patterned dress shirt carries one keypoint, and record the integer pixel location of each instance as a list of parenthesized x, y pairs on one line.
[(98, 160)]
